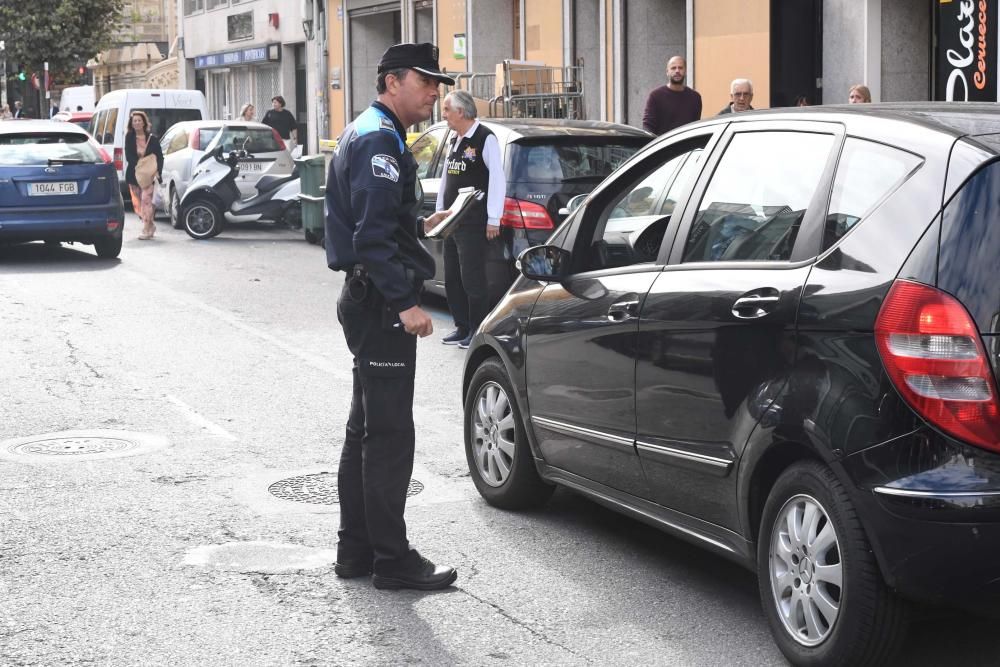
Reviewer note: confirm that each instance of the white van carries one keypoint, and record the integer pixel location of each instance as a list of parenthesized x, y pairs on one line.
[(164, 108), (77, 98)]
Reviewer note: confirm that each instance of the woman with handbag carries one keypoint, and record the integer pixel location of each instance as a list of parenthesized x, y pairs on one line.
[(145, 163)]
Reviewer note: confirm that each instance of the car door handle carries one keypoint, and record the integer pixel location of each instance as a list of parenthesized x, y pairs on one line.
[(756, 304), (623, 310)]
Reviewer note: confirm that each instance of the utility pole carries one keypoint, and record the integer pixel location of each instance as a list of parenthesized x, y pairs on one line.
[(48, 95)]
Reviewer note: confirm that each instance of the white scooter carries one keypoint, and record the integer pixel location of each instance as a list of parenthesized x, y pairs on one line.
[(213, 198)]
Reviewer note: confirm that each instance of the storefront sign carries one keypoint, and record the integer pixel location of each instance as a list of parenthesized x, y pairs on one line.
[(255, 54), (966, 58)]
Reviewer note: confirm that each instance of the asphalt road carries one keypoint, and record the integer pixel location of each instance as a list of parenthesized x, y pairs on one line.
[(220, 369)]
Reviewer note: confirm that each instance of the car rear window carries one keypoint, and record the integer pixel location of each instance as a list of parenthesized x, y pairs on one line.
[(38, 148), (970, 248), (163, 119), (261, 140), (572, 160)]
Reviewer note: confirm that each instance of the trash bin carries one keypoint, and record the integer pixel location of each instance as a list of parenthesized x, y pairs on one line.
[(312, 175)]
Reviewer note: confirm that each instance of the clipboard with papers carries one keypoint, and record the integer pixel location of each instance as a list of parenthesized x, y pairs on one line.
[(459, 209)]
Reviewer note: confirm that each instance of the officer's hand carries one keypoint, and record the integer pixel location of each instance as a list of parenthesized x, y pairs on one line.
[(416, 321), (431, 221), (492, 231)]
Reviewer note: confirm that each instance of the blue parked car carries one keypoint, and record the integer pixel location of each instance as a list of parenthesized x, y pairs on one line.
[(58, 185)]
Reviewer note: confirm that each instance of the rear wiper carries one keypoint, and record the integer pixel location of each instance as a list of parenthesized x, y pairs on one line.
[(583, 179), (66, 160)]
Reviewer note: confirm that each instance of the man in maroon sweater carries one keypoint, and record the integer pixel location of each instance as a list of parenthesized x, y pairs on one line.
[(674, 104)]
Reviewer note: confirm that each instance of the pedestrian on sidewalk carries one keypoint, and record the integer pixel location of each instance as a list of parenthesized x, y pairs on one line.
[(372, 196), (140, 143), (673, 104), (282, 120), (473, 160)]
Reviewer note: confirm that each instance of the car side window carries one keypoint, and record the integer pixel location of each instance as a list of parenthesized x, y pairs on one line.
[(111, 126), (175, 140), (867, 173), (634, 223), (758, 196), (425, 148), (97, 125)]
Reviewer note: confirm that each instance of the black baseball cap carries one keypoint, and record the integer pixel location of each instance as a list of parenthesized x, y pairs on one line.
[(421, 57)]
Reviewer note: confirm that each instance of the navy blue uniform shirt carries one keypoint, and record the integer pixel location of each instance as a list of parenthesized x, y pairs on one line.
[(372, 197)]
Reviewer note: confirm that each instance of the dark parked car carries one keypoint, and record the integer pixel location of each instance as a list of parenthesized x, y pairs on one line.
[(775, 335), (57, 184), (547, 162)]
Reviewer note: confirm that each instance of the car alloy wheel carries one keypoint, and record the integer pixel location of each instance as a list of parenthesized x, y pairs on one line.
[(492, 434), (806, 570), (500, 460)]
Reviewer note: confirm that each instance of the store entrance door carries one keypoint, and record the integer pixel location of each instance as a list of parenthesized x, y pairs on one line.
[(372, 31), (796, 52)]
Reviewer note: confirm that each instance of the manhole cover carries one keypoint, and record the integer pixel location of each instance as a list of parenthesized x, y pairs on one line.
[(79, 446), (74, 446), (319, 489)]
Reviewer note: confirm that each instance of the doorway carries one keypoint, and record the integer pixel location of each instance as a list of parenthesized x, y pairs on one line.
[(796, 52), (372, 31)]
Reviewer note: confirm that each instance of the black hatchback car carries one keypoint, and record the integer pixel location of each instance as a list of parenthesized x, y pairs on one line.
[(546, 162), (775, 335)]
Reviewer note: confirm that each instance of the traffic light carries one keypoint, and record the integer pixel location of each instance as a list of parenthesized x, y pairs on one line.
[(21, 76), (81, 70)]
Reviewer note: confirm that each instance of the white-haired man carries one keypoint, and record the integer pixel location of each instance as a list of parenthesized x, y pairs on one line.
[(740, 96), (473, 160)]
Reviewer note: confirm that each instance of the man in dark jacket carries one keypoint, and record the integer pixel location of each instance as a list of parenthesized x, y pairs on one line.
[(674, 104), (372, 196)]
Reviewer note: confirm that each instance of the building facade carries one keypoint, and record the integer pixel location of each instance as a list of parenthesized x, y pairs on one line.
[(140, 45), (240, 51), (618, 49)]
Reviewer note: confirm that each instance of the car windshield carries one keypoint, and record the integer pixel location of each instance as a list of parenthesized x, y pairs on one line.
[(37, 148), (564, 161), (162, 119), (258, 140)]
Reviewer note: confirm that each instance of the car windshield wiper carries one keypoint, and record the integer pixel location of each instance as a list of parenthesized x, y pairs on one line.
[(66, 160)]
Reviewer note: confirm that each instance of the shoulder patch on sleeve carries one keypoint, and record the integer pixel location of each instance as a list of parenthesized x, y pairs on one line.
[(386, 124), (385, 166)]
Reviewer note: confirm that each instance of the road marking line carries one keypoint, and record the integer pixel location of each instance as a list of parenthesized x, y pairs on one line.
[(192, 416)]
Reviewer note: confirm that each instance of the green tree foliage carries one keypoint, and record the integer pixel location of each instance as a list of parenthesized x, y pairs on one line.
[(66, 33)]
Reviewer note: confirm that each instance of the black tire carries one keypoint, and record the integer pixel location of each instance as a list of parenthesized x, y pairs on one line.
[(521, 487), (202, 219), (315, 238), (108, 247), (174, 209), (869, 622)]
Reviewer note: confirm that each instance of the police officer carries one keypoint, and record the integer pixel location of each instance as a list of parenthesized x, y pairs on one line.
[(372, 196)]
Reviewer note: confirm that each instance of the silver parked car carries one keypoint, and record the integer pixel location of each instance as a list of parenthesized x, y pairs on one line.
[(184, 145)]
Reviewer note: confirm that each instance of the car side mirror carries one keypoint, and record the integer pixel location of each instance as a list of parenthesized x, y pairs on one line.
[(573, 204), (544, 263)]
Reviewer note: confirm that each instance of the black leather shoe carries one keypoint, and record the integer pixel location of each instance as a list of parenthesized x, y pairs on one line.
[(455, 337), (422, 576), (353, 568)]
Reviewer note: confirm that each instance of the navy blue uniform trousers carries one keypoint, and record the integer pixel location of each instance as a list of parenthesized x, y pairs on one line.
[(377, 458)]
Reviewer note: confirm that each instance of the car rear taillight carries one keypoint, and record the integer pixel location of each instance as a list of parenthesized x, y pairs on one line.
[(277, 137), (525, 215), (934, 356), (119, 159), (113, 225), (100, 150), (194, 141)]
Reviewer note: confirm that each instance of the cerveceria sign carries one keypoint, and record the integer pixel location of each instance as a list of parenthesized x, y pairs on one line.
[(966, 50)]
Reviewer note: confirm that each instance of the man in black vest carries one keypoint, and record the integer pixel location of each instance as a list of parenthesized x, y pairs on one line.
[(473, 160)]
